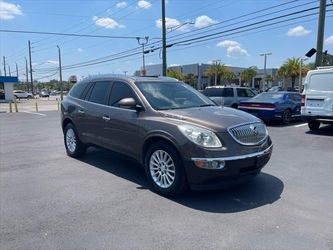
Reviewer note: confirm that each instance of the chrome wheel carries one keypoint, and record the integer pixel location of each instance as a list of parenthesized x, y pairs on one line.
[(162, 169), (71, 140)]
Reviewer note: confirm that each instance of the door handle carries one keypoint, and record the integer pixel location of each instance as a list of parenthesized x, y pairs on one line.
[(81, 111), (106, 118)]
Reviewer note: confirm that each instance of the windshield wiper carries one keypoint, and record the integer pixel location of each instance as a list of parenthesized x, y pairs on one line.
[(207, 105)]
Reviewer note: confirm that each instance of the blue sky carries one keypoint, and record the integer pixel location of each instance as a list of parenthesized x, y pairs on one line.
[(140, 18)]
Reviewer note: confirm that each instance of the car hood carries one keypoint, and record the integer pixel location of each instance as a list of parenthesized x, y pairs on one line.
[(216, 118)]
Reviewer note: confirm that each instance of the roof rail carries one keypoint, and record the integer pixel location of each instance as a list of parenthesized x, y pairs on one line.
[(325, 67)]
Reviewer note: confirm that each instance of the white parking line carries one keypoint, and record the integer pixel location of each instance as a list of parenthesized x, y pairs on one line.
[(300, 125), (34, 113)]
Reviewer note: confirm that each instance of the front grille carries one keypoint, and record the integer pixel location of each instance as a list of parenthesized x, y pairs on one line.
[(249, 134)]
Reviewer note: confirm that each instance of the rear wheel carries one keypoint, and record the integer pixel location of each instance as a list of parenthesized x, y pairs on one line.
[(286, 117), (74, 147), (313, 125), (164, 169)]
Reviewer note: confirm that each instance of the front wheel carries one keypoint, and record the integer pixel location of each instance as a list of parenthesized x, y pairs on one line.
[(164, 170), (74, 147), (313, 125)]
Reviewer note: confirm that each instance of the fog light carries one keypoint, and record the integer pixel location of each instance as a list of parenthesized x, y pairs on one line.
[(209, 164)]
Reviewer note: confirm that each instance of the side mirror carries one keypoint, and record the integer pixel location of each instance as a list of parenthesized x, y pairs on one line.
[(129, 103)]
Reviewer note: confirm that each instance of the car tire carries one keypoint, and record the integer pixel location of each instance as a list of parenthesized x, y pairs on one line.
[(164, 170), (235, 106), (74, 147), (313, 125), (286, 117)]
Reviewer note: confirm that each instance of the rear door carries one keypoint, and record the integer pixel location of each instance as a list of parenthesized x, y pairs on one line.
[(296, 104), (319, 94), (228, 96)]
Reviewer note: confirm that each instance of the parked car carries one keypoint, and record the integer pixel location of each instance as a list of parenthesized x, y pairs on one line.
[(2, 94), (229, 96), (22, 94), (179, 136), (280, 105), (317, 97), (275, 89), (44, 93)]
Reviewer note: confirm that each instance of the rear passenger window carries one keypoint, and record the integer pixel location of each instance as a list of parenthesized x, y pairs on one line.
[(77, 89), (120, 90), (213, 92), (296, 98), (228, 92), (99, 92)]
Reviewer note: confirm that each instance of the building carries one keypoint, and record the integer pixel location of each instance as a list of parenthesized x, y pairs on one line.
[(203, 80), (7, 87)]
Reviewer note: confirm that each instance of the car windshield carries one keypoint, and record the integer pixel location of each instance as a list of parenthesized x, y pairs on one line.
[(270, 95), (173, 95)]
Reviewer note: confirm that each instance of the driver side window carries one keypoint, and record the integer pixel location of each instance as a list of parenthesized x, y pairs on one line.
[(120, 90)]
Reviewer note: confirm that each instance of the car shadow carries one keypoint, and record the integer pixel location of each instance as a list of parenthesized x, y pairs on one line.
[(276, 123), (324, 130), (262, 190)]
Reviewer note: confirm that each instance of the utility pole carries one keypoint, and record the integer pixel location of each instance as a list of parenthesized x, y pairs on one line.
[(216, 62), (125, 72), (164, 61), (320, 34), (10, 73), (60, 71), (4, 65), (32, 81), (16, 69), (143, 53), (265, 60), (27, 73)]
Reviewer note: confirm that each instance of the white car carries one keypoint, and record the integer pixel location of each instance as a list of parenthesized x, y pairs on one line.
[(317, 97), (22, 94)]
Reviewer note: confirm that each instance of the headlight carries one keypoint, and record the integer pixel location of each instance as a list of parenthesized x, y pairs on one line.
[(200, 136)]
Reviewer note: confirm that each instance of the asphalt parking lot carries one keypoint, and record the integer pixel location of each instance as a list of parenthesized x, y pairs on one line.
[(51, 201)]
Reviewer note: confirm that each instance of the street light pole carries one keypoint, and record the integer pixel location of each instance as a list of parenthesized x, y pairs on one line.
[(265, 60), (4, 65), (60, 72), (10, 73), (300, 75), (164, 64), (26, 73), (32, 81), (143, 53), (16, 69)]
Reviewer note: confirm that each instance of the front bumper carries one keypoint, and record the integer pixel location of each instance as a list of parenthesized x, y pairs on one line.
[(237, 169)]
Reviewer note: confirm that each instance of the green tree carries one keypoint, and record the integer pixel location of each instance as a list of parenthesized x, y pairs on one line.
[(190, 79), (175, 74), (290, 69), (217, 71), (248, 74)]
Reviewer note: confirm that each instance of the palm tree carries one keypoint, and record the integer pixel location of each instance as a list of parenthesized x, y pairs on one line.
[(217, 70), (175, 74), (190, 79), (290, 69), (249, 73)]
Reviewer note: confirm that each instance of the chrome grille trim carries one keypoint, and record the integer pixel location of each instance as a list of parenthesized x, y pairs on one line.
[(249, 134)]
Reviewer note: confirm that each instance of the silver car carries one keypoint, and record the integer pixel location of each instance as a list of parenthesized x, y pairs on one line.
[(229, 96)]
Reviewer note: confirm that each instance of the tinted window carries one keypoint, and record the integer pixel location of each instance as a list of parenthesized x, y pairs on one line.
[(77, 89), (228, 92), (213, 92), (119, 91), (245, 93), (296, 97), (99, 92)]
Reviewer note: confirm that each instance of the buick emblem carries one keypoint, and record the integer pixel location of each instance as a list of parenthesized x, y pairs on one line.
[(254, 129)]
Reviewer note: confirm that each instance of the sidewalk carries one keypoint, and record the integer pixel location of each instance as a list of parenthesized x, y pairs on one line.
[(23, 105)]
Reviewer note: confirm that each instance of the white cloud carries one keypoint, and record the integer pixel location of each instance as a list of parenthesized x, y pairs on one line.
[(329, 40), (169, 23), (298, 31), (52, 62), (9, 11), (203, 21), (107, 22), (121, 5), (174, 65), (80, 50), (144, 4), (236, 51), (228, 43)]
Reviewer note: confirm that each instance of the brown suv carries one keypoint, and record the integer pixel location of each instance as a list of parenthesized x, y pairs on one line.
[(180, 136)]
